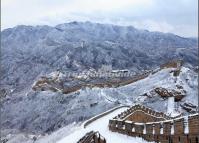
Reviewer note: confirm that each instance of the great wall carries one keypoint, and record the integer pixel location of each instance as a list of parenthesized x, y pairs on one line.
[(57, 85), (153, 126), (143, 122), (140, 121)]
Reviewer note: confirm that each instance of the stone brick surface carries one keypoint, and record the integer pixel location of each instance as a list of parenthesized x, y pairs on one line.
[(140, 121)]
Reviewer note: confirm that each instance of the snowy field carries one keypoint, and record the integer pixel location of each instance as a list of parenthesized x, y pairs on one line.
[(101, 125)]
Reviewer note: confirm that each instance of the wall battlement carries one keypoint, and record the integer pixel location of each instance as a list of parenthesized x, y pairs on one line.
[(168, 130), (92, 137), (139, 108)]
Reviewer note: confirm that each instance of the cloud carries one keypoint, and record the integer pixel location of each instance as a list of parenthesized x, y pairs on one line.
[(154, 25), (154, 15)]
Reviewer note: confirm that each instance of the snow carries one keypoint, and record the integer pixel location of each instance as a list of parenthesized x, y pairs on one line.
[(132, 93), (139, 123), (59, 134), (144, 131), (172, 129), (153, 130), (186, 128), (161, 129), (29, 52), (101, 125), (189, 80), (129, 122), (171, 107)]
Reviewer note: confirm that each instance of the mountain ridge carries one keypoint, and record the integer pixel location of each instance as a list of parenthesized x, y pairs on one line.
[(30, 53), (82, 22), (84, 45)]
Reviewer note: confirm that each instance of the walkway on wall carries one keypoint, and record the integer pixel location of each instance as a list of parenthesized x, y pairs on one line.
[(101, 125)]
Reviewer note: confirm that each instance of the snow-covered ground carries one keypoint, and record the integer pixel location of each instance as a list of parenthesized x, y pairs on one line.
[(101, 125), (133, 93), (57, 111), (31, 52), (171, 107)]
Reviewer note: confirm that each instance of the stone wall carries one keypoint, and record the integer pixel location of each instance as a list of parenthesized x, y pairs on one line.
[(142, 117), (92, 137), (172, 64), (178, 130), (143, 111)]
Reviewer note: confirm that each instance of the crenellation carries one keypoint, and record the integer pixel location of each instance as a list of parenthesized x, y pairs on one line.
[(153, 113), (179, 126), (128, 126), (167, 128), (149, 128), (157, 126), (139, 128), (150, 111), (120, 124), (193, 122)]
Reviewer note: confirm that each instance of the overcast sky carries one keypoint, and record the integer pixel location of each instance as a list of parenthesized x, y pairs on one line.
[(174, 16)]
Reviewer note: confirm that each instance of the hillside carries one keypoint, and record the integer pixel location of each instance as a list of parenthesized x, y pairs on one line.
[(38, 98), (40, 112), (30, 52)]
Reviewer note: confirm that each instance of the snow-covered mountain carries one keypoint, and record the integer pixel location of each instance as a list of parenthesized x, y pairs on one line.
[(28, 52), (40, 112)]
